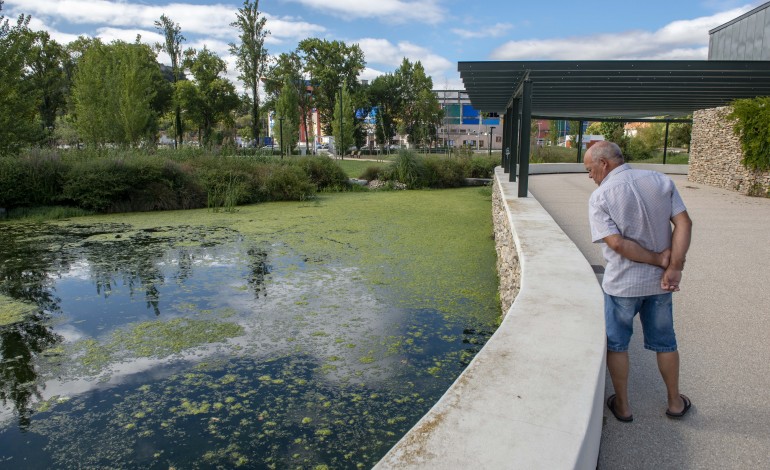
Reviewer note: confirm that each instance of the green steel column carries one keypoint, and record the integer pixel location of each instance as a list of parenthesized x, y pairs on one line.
[(580, 143), (665, 144), (526, 125), (506, 136), (513, 159)]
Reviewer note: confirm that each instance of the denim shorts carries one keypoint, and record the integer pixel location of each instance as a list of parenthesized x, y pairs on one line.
[(655, 313)]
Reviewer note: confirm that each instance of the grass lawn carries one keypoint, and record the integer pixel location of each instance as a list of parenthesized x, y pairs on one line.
[(671, 158), (354, 168)]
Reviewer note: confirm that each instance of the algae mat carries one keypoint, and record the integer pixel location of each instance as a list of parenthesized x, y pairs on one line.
[(283, 335)]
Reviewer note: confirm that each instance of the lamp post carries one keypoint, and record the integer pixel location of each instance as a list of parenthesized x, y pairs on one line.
[(491, 131), (280, 127), (342, 148)]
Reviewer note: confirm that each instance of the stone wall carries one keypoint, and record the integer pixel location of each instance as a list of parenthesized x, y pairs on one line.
[(715, 156), (508, 268)]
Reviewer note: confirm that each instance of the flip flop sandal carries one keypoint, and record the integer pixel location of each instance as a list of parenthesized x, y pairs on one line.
[(611, 406), (687, 406)]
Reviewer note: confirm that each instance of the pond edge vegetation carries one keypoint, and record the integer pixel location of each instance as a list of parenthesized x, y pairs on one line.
[(76, 182)]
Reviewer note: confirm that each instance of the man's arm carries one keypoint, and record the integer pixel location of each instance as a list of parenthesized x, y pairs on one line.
[(680, 243), (630, 249)]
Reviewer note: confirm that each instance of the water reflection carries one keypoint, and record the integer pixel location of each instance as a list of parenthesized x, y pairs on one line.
[(35, 258), (324, 370), (20, 343)]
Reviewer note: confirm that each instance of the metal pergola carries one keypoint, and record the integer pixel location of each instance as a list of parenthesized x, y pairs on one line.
[(627, 90)]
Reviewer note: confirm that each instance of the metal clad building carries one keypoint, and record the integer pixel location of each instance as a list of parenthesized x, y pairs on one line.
[(744, 38)]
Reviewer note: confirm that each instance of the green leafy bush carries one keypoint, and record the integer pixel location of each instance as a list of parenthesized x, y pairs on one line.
[(98, 184), (324, 172), (637, 149), (371, 173), (289, 183), (482, 166), (30, 180), (752, 126), (442, 172), (408, 169)]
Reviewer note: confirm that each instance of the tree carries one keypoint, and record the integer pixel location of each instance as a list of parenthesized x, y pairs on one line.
[(344, 138), (595, 128), (383, 96), (119, 93), (329, 65), (679, 133), (428, 115), (210, 99), (173, 47), (46, 60), (612, 131), (290, 68), (553, 132), (17, 100), (251, 54), (413, 101), (287, 109)]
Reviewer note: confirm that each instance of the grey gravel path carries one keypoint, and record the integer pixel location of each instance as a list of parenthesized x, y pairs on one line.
[(722, 317)]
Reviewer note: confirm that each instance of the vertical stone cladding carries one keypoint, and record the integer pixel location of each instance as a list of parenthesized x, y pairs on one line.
[(508, 268), (715, 155)]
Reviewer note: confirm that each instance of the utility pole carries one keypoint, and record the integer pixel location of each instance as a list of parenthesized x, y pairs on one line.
[(491, 131)]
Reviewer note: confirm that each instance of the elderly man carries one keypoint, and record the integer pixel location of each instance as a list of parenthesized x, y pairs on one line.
[(631, 213)]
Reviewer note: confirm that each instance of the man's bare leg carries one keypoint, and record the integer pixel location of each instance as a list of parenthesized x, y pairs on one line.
[(617, 363), (668, 365)]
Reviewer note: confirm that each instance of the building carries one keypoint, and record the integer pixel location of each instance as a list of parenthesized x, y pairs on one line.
[(715, 153), (746, 37), (465, 126)]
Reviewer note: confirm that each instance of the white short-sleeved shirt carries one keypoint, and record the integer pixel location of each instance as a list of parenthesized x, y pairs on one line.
[(637, 205)]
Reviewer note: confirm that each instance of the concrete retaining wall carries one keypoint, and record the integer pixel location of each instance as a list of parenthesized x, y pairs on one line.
[(715, 155), (532, 397)]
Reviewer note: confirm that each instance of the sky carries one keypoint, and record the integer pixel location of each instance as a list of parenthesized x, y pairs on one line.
[(438, 33)]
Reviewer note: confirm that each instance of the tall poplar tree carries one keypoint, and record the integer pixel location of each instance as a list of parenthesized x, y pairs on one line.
[(287, 107), (344, 137), (251, 54), (172, 46), (17, 103), (117, 91)]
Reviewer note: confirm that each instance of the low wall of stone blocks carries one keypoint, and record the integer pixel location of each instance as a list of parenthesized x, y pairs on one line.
[(715, 155)]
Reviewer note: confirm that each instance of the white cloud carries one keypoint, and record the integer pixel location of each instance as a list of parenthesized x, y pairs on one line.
[(108, 35), (494, 31), (685, 39), (389, 11), (384, 52), (62, 38), (204, 20)]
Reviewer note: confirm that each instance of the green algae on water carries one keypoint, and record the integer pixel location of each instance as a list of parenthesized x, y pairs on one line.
[(14, 311)]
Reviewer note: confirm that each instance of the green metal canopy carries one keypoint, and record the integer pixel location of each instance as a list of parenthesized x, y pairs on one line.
[(614, 88)]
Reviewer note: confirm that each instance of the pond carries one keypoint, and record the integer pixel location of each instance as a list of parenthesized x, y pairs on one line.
[(284, 335)]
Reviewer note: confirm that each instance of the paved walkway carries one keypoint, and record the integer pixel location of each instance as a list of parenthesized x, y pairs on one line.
[(722, 316)]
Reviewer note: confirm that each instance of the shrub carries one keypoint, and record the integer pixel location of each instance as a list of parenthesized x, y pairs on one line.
[(243, 179), (637, 149), (97, 184), (287, 183), (482, 166), (324, 172), (138, 183), (752, 126), (372, 173), (407, 168), (30, 180), (441, 172)]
